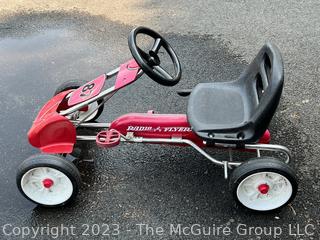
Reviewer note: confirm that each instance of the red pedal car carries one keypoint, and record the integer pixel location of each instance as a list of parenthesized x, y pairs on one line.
[(227, 115)]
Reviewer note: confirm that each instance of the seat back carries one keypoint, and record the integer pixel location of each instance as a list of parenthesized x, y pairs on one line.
[(263, 81)]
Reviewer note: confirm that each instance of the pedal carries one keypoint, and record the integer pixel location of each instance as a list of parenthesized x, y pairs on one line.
[(108, 139)]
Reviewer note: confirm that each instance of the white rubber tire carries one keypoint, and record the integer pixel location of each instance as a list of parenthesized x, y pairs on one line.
[(278, 178), (62, 176)]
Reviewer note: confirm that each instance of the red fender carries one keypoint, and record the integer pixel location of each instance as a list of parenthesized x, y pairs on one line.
[(51, 132)]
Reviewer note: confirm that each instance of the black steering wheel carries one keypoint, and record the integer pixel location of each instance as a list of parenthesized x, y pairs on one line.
[(150, 62)]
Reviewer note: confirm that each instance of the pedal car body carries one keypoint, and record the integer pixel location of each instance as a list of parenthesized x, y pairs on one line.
[(231, 115)]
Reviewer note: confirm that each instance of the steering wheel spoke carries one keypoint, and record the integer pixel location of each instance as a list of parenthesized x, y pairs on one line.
[(156, 45), (163, 72)]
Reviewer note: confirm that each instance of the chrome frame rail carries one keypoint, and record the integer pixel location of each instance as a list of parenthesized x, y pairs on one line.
[(226, 164), (92, 124), (272, 148), (102, 94), (85, 103)]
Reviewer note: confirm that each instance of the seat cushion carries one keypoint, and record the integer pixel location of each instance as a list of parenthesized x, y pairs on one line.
[(216, 106)]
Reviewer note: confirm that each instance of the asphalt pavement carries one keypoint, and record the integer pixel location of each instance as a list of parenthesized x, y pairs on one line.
[(133, 185)]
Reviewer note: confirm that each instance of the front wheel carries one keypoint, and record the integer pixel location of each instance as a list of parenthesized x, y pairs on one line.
[(263, 184), (48, 180)]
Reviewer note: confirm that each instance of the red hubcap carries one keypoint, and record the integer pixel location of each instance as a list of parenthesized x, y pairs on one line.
[(263, 188), (47, 183)]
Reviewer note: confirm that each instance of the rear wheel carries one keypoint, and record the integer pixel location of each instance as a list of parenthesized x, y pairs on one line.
[(48, 180), (263, 184), (74, 84)]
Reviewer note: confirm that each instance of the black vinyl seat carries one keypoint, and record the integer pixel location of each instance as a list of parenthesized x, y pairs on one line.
[(239, 111)]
